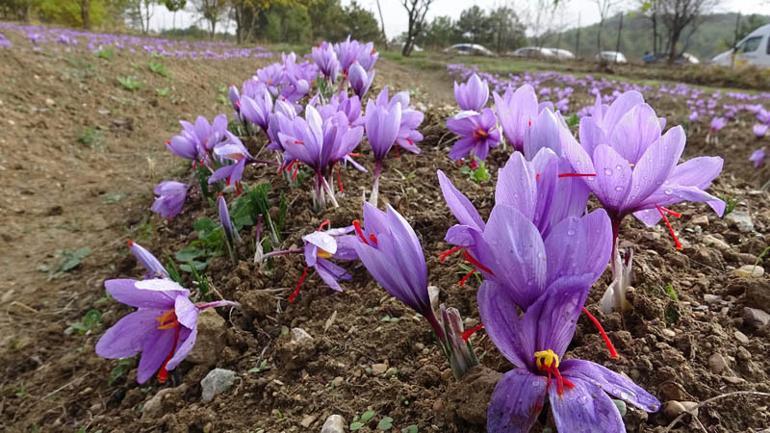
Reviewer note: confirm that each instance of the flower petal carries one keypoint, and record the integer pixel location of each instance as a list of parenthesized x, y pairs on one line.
[(126, 292), (157, 347), (186, 343), (613, 177), (656, 165), (125, 337), (585, 408), (516, 402), (579, 246), (458, 203), (503, 325), (186, 312), (516, 185), (612, 383)]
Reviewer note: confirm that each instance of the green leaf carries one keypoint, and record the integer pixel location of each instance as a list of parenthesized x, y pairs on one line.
[(368, 415), (385, 424), (356, 425), (72, 259), (90, 321), (410, 429), (189, 253), (120, 370)]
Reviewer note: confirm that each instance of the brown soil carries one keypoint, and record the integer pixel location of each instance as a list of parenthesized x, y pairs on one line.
[(61, 194)]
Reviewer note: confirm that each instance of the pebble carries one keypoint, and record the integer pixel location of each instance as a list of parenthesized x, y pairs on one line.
[(379, 369), (308, 420), (700, 220), (337, 381), (334, 424), (749, 271), (621, 405), (718, 363), (210, 340), (673, 408), (155, 405), (755, 318), (741, 337), (300, 336), (741, 220), (743, 354), (715, 242), (758, 295), (711, 299), (218, 380)]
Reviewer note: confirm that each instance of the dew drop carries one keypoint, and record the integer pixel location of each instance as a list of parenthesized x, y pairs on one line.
[(668, 191), (618, 188), (608, 171)]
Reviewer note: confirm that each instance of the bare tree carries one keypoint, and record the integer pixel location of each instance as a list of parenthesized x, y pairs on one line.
[(140, 12), (680, 15), (416, 11), (605, 9), (382, 23)]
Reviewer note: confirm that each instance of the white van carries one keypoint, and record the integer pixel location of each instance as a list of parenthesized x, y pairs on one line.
[(754, 49)]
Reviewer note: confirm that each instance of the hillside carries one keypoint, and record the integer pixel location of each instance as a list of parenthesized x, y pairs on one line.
[(713, 36)]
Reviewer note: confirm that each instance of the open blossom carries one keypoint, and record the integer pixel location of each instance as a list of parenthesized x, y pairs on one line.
[(635, 164), (360, 79), (170, 198), (717, 123), (163, 327), (516, 111), (323, 245), (472, 95), (760, 130), (478, 133), (351, 50), (232, 151), (535, 343), (407, 134), (257, 110), (197, 140)]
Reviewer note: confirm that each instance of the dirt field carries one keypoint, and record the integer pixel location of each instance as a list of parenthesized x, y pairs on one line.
[(79, 157)]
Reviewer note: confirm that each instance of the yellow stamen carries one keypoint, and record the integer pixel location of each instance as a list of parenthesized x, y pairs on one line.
[(324, 254), (546, 359), (167, 320)]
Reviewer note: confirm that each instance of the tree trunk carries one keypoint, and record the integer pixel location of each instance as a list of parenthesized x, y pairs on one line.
[(599, 35), (85, 13), (382, 23)]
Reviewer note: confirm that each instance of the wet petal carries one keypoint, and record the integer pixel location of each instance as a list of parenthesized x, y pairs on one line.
[(503, 325), (516, 402), (613, 177), (612, 383), (186, 312), (516, 185), (458, 203), (579, 246), (655, 166), (585, 408)]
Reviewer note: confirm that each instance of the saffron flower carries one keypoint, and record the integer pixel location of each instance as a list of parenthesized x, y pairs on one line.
[(320, 246), (195, 141), (170, 198), (516, 111), (535, 343), (389, 249), (760, 130), (150, 263), (360, 80), (758, 157), (163, 328), (478, 133), (235, 152), (326, 59), (231, 234), (473, 94), (257, 110), (716, 125)]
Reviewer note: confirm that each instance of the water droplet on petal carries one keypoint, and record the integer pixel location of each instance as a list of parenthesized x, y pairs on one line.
[(608, 171)]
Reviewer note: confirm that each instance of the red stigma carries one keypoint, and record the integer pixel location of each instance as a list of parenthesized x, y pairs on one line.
[(605, 337), (472, 260), (445, 254), (324, 223), (466, 277), (167, 142), (537, 177), (295, 293), (130, 243), (163, 372), (299, 142), (359, 231), (664, 214), (469, 332), (373, 239), (480, 134)]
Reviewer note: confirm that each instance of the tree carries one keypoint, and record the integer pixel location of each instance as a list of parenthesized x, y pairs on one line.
[(677, 15), (507, 31), (140, 12), (416, 11), (473, 25), (211, 11), (605, 9), (439, 33), (174, 6)]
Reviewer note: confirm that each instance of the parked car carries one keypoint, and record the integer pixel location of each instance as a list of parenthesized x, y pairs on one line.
[(562, 54), (754, 49), (611, 57), (534, 52), (469, 50)]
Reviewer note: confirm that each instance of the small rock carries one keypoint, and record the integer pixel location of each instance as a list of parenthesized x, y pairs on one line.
[(755, 318), (715, 242), (379, 369), (672, 409), (718, 363), (49, 102), (161, 401), (700, 220), (216, 382), (741, 220), (749, 271), (741, 337), (668, 333), (711, 299), (337, 381), (621, 405), (758, 295), (743, 354), (300, 336), (308, 420), (210, 340), (733, 379), (334, 424)]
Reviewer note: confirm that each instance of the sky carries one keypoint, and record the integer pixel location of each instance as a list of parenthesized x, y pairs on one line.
[(583, 11)]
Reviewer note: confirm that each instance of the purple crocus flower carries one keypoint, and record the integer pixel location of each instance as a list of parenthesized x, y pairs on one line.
[(347, 52), (257, 110), (231, 234), (760, 130), (233, 150), (196, 140), (408, 135), (516, 111), (320, 246), (478, 133), (170, 198), (694, 116), (382, 122), (326, 59), (163, 328), (153, 266), (758, 157), (360, 80), (635, 166), (717, 123), (472, 95), (535, 343)]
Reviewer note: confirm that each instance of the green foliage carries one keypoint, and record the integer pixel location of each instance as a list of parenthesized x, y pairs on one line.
[(480, 174), (385, 424), (92, 138), (359, 421), (163, 91), (90, 321), (499, 29), (671, 292), (730, 203), (174, 5), (254, 202), (410, 429), (70, 259), (158, 68), (130, 83), (71, 12), (106, 53), (261, 367), (121, 369)]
